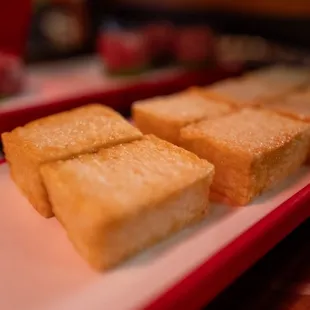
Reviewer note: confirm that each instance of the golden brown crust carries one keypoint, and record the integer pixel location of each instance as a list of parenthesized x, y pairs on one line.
[(165, 116), (154, 124), (60, 136), (251, 150), (127, 197), (79, 130), (285, 78), (242, 92), (121, 170), (296, 106), (260, 86)]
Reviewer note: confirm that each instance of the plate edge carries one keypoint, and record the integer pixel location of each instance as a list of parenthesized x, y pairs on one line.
[(208, 279)]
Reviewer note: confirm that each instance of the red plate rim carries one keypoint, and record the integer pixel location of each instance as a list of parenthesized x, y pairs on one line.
[(211, 277), (119, 98)]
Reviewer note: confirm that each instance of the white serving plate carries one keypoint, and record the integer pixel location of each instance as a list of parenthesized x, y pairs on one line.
[(40, 269)]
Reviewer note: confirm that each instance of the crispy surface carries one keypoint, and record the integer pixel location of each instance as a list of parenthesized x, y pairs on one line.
[(127, 197), (296, 105), (251, 150), (242, 92), (60, 136), (249, 131), (165, 116), (79, 130), (286, 77)]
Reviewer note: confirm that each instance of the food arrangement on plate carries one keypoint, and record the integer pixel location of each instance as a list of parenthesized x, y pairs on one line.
[(118, 189)]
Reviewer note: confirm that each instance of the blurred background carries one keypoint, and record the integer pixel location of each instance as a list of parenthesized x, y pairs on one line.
[(64, 53), (62, 28)]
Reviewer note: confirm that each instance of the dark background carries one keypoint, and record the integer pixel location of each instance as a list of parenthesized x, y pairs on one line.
[(96, 15)]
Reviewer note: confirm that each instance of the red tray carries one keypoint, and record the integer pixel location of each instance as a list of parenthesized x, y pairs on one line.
[(57, 87)]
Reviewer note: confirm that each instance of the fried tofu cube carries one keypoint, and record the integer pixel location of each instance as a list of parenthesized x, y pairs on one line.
[(165, 116), (242, 93), (60, 136), (252, 151), (127, 197), (296, 106), (287, 78)]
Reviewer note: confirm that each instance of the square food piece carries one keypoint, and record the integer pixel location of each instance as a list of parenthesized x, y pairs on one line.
[(288, 78), (242, 93), (251, 150), (165, 116), (127, 197), (296, 106), (60, 136)]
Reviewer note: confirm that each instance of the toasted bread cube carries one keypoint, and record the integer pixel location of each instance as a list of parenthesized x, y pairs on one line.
[(251, 150), (242, 93), (60, 136), (296, 106), (165, 116), (287, 78), (127, 197)]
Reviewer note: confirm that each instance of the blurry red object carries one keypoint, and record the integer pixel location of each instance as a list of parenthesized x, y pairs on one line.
[(194, 45), (14, 22), (123, 51), (159, 38), (11, 74)]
